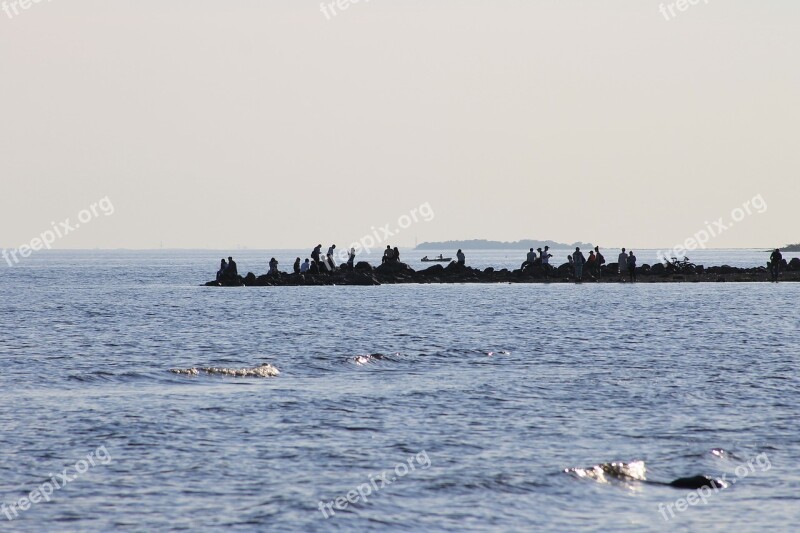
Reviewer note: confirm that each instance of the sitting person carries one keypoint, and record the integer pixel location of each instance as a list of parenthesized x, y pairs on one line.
[(296, 266), (460, 257), (223, 266), (530, 259), (273, 266), (305, 266)]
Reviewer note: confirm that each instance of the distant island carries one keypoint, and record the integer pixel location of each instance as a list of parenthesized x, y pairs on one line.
[(791, 248), (482, 244)]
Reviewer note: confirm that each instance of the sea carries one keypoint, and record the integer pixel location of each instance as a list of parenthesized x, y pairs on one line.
[(409, 408)]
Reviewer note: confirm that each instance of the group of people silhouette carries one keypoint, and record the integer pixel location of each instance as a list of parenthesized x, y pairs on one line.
[(227, 270), (626, 264), (581, 265)]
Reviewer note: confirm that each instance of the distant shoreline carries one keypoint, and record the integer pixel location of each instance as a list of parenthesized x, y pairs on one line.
[(483, 244)]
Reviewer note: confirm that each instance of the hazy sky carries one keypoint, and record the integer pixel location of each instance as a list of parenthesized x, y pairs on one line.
[(262, 123)]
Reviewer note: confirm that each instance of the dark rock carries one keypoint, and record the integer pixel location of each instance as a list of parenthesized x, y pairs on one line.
[(361, 278), (394, 267), (696, 482), (435, 270), (363, 266)]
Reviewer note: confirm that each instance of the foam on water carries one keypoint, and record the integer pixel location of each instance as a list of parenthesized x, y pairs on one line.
[(265, 370)]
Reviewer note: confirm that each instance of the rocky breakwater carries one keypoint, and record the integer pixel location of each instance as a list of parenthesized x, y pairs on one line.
[(395, 272)]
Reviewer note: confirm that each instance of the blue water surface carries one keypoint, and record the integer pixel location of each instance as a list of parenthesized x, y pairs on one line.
[(489, 391)]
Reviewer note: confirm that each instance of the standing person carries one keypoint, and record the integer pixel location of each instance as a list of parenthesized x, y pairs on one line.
[(632, 266), (775, 262), (232, 270), (600, 261), (351, 258), (306, 266), (622, 264), (461, 258), (546, 255), (223, 266), (297, 266), (591, 263), (273, 266), (331, 264), (387, 254), (316, 252), (578, 260)]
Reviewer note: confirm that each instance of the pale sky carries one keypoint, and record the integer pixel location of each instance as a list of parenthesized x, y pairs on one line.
[(262, 123)]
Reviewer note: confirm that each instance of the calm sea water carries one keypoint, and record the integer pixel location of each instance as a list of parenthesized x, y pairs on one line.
[(578, 375)]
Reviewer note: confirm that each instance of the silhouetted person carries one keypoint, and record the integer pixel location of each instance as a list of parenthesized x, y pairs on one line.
[(578, 260), (600, 262), (460, 256), (591, 263), (316, 252), (632, 266), (351, 258), (530, 258), (306, 266), (622, 264), (296, 266), (775, 262), (223, 267), (330, 264), (387, 254), (546, 255), (273, 266), (396, 254), (233, 270)]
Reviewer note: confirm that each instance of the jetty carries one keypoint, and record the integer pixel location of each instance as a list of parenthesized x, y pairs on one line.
[(391, 273)]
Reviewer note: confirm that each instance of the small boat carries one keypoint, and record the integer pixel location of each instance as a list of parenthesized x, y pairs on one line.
[(439, 259)]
